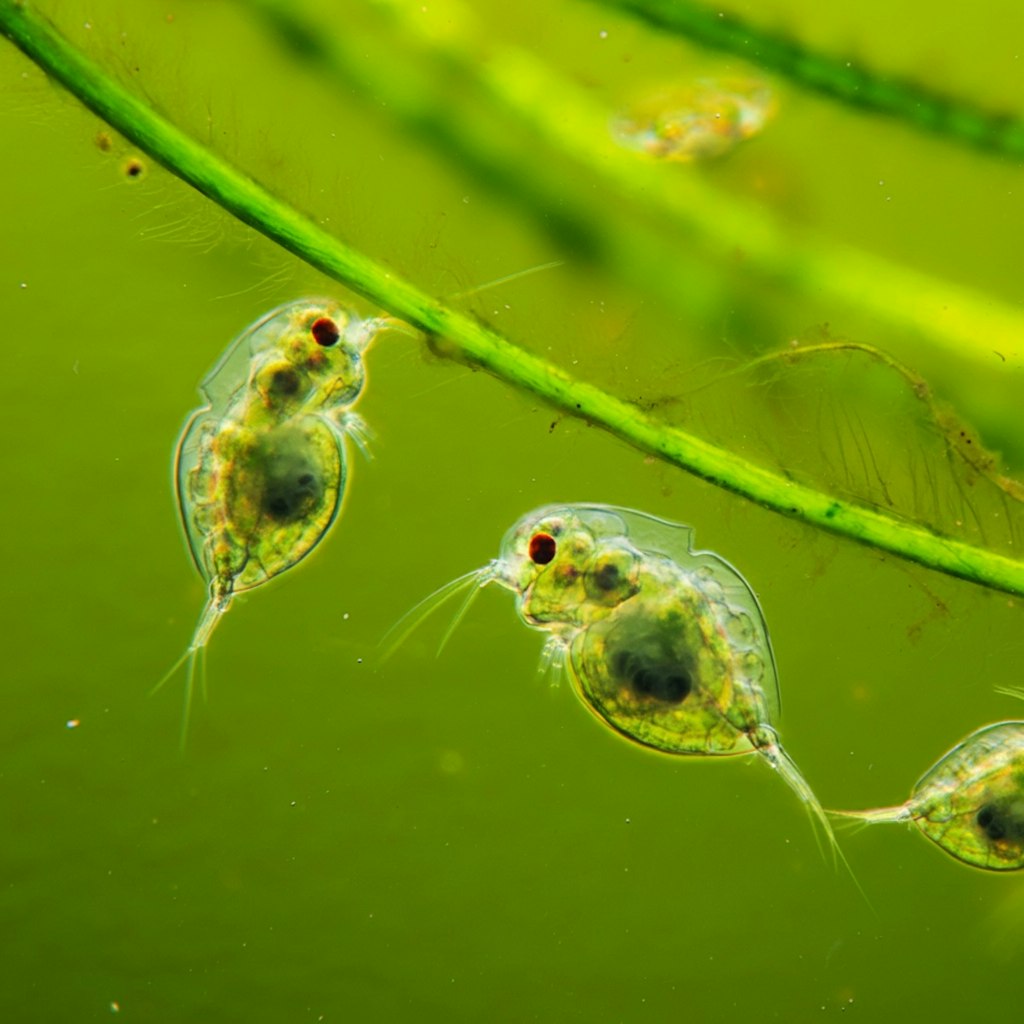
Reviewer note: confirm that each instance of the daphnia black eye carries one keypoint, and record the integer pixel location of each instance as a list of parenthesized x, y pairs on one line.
[(325, 332), (542, 548)]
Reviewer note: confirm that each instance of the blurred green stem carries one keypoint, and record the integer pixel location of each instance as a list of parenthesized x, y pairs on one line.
[(837, 78), (418, 102), (524, 91), (468, 340)]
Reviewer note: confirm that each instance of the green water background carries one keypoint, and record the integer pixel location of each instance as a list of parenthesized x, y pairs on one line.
[(449, 838)]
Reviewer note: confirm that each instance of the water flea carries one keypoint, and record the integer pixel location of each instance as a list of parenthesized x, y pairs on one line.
[(260, 467), (971, 802), (665, 645), (704, 119)]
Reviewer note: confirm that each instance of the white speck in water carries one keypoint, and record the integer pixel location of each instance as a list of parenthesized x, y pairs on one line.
[(603, 34), (72, 723)]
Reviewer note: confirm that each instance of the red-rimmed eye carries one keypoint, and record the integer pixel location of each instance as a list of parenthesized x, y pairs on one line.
[(542, 548), (325, 332)]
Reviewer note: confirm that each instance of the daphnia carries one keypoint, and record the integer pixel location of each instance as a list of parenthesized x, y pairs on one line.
[(970, 803), (260, 467), (665, 645)]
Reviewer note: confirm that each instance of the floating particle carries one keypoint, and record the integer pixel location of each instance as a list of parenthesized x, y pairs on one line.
[(133, 169)]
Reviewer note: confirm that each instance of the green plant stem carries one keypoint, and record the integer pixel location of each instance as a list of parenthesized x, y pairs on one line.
[(471, 342), (948, 116)]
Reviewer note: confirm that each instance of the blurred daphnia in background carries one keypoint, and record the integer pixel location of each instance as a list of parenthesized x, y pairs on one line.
[(705, 119)]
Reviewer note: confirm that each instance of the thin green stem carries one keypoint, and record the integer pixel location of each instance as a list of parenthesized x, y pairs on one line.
[(464, 339), (838, 78)]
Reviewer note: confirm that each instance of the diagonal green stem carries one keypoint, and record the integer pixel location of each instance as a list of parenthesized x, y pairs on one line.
[(471, 342), (948, 116)]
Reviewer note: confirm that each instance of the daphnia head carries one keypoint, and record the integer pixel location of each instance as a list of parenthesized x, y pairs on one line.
[(567, 564), (308, 355)]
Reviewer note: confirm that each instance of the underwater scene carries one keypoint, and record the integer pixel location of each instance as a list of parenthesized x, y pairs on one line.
[(513, 512)]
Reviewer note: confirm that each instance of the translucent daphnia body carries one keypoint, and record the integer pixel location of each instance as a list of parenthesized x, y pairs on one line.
[(705, 119), (260, 468), (665, 645), (971, 802)]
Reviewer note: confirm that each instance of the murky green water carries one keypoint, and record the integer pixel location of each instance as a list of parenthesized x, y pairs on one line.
[(449, 838)]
